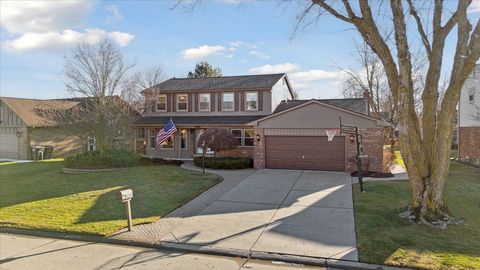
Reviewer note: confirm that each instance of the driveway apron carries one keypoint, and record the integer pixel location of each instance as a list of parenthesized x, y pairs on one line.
[(307, 213)]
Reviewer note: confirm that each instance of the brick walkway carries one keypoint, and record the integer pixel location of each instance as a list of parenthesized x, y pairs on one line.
[(159, 229)]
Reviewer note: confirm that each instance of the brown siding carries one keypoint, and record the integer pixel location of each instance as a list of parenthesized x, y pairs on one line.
[(174, 102)]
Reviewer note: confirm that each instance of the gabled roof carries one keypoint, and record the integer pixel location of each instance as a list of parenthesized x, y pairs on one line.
[(352, 104), (29, 109), (49, 112), (320, 102), (265, 81)]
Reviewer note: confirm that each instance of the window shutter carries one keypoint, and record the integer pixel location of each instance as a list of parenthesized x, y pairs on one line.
[(212, 102), (174, 102), (197, 103), (190, 103), (242, 101), (260, 101), (236, 100), (219, 102), (169, 102)]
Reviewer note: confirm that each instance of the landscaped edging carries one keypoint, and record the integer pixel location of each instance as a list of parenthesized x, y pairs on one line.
[(71, 170), (162, 245)]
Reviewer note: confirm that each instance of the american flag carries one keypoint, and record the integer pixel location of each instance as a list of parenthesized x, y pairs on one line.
[(166, 132)]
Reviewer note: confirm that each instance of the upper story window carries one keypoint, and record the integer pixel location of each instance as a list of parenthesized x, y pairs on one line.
[(228, 101), (162, 103), (471, 95), (182, 102), (204, 102), (252, 101)]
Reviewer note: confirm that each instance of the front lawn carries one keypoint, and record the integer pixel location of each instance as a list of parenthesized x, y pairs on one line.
[(39, 196), (385, 238)]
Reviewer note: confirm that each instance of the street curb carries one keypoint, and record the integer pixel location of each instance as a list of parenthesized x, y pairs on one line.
[(289, 258)]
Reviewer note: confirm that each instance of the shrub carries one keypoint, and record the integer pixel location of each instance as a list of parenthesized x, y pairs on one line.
[(113, 158), (217, 139), (388, 160), (229, 163)]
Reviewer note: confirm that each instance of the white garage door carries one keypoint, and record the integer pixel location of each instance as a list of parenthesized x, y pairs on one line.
[(8, 145)]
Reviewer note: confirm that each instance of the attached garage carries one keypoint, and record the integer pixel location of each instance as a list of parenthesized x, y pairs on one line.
[(294, 136), (8, 145), (305, 153)]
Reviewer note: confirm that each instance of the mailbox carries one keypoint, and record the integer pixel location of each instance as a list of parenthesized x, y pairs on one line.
[(125, 195)]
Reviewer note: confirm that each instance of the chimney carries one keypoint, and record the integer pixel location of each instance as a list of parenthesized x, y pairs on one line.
[(367, 98)]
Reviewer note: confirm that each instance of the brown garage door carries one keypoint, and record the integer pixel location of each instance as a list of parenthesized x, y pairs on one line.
[(305, 153)]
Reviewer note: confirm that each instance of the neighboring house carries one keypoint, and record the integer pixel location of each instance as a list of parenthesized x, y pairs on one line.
[(288, 136), (60, 123), (469, 119)]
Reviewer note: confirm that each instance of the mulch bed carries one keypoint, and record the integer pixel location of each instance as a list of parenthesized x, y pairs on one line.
[(159, 161)]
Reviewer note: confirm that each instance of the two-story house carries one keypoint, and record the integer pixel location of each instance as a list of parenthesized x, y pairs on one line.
[(469, 119), (197, 104), (272, 127)]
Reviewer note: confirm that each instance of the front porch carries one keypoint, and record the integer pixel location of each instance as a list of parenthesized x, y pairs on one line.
[(183, 143)]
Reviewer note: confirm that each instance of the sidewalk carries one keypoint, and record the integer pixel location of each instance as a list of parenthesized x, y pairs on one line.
[(27, 252)]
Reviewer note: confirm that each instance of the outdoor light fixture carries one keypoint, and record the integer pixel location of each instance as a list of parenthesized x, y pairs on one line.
[(257, 137), (18, 133), (352, 138)]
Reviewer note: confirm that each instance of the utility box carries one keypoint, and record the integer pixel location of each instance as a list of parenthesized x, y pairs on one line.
[(125, 195)]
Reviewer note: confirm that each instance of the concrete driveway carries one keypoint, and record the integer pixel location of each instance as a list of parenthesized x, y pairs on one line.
[(304, 213)]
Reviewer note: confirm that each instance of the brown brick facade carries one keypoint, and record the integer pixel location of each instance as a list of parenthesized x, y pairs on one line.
[(469, 144), (237, 152), (259, 149)]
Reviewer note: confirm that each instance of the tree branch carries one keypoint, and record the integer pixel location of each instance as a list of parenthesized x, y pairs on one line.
[(332, 11), (421, 29)]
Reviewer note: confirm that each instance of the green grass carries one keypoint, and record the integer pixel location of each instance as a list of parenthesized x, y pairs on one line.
[(385, 238), (39, 196), (399, 159)]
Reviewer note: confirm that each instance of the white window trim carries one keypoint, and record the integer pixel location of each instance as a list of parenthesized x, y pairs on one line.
[(156, 103), (209, 102), (241, 136), (233, 102), (246, 101), (186, 102)]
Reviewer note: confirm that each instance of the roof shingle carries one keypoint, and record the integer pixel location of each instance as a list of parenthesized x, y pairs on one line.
[(198, 120), (266, 81), (352, 104)]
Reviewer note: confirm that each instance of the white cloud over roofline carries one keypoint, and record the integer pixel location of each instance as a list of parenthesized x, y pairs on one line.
[(202, 52), (278, 68), (52, 25)]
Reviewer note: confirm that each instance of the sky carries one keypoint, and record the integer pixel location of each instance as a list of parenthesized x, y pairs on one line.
[(239, 37)]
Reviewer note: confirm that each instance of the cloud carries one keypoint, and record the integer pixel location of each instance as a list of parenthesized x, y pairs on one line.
[(238, 43), (229, 55), (279, 68), (52, 25), (42, 16), (115, 14), (64, 39), (260, 54), (202, 52), (317, 74), (474, 7)]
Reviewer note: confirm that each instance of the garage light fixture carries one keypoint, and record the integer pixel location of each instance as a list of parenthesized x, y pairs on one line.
[(18, 133), (257, 137), (352, 138)]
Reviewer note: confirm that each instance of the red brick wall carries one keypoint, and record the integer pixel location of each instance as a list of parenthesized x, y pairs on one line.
[(237, 152), (469, 144)]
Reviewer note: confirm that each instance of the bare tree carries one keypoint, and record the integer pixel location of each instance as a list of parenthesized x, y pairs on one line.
[(425, 135), (140, 81), (98, 72)]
